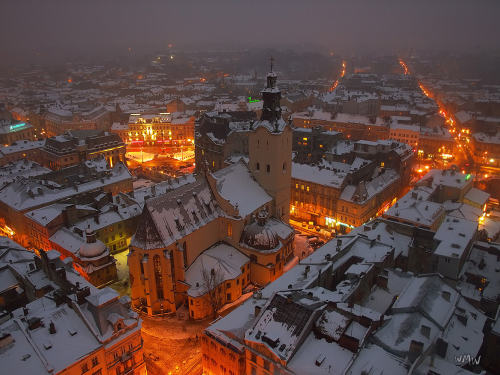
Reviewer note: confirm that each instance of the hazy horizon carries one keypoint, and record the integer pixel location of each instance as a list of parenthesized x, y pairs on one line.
[(56, 31)]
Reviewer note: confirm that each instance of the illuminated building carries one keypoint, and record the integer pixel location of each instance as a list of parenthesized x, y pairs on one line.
[(408, 134), (66, 326), (75, 147), (24, 149), (485, 149), (219, 233), (351, 185), (114, 219), (27, 194), (58, 120), (11, 132), (163, 129), (91, 257)]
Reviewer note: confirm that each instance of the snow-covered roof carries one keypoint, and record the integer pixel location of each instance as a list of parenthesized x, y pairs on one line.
[(477, 196), (415, 209), (236, 184), (317, 175), (225, 260), (173, 215), (454, 236)]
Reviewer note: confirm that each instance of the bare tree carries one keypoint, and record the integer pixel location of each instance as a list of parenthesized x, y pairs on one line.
[(213, 287)]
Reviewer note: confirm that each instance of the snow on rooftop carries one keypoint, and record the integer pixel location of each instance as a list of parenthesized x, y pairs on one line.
[(236, 184), (225, 260), (454, 236), (318, 175)]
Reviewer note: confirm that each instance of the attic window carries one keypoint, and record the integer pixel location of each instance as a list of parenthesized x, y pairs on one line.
[(209, 209), (425, 331), (178, 224), (195, 217)]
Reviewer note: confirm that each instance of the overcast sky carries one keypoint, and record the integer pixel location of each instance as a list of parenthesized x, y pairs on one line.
[(63, 28)]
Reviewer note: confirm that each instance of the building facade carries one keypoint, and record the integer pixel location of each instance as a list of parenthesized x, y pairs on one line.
[(162, 129), (75, 147)]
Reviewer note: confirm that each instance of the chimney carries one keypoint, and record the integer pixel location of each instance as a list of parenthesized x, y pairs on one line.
[(415, 350), (446, 295), (257, 310), (52, 328)]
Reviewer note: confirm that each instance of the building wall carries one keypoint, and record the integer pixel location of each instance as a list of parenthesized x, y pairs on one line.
[(217, 356), (353, 131), (229, 291), (7, 139), (270, 164), (313, 202)]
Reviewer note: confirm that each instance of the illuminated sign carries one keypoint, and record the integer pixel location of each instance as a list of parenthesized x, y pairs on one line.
[(250, 100), (467, 177), (17, 126)]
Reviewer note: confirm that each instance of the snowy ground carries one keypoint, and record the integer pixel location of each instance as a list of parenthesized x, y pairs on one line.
[(122, 285), (172, 346), (301, 246), (139, 156)]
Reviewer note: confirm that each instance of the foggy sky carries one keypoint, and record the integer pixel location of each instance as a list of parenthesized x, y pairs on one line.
[(61, 29)]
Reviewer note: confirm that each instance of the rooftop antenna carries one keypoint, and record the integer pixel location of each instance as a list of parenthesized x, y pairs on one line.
[(272, 61)]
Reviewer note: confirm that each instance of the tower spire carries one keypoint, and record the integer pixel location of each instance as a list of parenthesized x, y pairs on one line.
[(272, 62)]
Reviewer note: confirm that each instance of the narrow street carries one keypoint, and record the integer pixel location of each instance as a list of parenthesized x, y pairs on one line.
[(462, 157)]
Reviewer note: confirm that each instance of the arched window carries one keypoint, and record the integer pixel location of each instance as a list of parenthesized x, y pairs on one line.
[(158, 277)]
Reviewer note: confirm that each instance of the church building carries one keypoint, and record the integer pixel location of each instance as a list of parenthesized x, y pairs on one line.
[(200, 246)]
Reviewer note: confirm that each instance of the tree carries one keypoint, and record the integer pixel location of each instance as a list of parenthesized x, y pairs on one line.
[(212, 285)]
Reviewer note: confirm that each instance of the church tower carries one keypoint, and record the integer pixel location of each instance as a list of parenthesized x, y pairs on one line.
[(270, 149)]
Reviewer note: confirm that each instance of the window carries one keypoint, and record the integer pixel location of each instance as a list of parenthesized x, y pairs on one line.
[(95, 362), (253, 358), (98, 372), (266, 365), (268, 168), (158, 276), (257, 166), (228, 296), (85, 368), (284, 166), (229, 229)]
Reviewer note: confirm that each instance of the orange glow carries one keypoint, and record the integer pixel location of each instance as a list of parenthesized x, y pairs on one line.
[(70, 80), (404, 66), (203, 79), (342, 74), (7, 231)]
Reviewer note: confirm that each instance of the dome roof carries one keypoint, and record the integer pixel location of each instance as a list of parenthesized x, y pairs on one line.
[(259, 235), (92, 249)]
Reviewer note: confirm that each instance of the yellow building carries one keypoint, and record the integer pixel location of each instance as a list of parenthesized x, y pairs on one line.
[(157, 130)]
